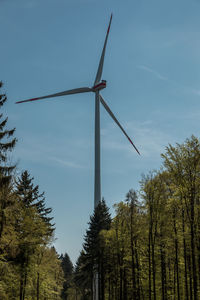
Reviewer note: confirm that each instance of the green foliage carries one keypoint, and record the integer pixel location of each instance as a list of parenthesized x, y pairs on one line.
[(29, 196), (149, 250), (152, 249), (7, 144), (29, 267), (67, 268), (93, 257)]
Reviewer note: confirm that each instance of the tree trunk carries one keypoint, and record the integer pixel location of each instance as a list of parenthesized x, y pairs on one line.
[(138, 273), (38, 286), (193, 249), (175, 280), (149, 260), (24, 287), (190, 276), (121, 284), (176, 258), (163, 272), (102, 280), (132, 254), (133, 267), (125, 286), (21, 288), (154, 271), (170, 280), (185, 256)]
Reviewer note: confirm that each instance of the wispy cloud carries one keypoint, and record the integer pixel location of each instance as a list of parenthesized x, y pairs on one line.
[(66, 163), (37, 151), (154, 72), (182, 87), (148, 138)]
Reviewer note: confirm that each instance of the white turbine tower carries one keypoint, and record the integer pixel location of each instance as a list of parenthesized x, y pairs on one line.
[(97, 86)]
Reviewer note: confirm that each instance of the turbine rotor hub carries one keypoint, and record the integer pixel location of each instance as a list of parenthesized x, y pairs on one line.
[(99, 86)]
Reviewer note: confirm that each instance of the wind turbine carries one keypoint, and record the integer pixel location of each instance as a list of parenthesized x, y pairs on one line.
[(97, 86)]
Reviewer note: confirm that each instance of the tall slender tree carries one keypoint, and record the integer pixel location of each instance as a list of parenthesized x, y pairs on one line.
[(7, 143), (133, 205), (67, 267), (93, 254), (34, 226)]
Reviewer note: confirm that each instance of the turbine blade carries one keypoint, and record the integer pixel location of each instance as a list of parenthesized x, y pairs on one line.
[(69, 92), (116, 121), (100, 68)]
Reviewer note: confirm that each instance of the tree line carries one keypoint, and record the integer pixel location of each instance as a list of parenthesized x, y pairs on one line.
[(150, 249), (30, 267)]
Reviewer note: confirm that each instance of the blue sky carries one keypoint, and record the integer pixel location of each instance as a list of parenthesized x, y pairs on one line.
[(152, 68)]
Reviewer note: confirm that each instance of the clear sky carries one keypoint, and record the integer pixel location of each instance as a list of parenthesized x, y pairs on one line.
[(152, 68)]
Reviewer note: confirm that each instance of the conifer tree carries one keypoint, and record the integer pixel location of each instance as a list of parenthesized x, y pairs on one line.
[(83, 276), (33, 224), (30, 197), (94, 245), (67, 268), (7, 143)]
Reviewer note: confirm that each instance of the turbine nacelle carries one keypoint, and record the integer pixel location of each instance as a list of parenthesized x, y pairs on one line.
[(100, 86)]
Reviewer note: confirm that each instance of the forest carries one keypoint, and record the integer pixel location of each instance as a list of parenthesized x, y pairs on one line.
[(149, 250)]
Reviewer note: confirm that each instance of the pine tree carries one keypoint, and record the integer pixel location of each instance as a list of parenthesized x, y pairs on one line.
[(67, 268), (33, 225), (94, 245), (83, 277), (29, 195), (7, 143)]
